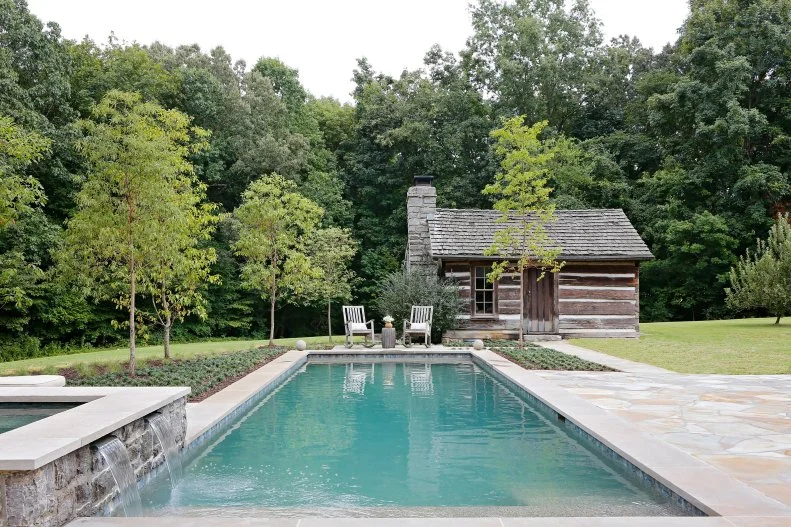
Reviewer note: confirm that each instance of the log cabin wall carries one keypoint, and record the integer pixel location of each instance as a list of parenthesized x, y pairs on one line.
[(598, 300), (591, 300), (504, 323)]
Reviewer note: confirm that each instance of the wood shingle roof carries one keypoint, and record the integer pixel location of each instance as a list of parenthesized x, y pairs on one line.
[(596, 234)]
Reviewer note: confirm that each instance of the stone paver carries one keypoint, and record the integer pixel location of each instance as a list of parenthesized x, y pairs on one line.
[(739, 424)]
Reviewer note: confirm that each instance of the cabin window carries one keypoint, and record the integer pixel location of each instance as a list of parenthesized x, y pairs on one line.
[(484, 291)]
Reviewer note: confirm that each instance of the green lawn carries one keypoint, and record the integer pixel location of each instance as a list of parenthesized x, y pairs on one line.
[(748, 346), (119, 355)]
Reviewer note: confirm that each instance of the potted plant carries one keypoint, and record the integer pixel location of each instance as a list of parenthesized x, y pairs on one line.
[(388, 320)]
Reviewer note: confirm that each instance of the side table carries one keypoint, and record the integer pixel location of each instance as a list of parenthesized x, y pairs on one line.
[(388, 338)]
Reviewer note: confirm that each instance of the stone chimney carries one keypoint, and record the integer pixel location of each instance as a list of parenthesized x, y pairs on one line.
[(421, 206)]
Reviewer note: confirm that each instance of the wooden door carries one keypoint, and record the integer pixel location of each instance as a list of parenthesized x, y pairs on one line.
[(540, 302)]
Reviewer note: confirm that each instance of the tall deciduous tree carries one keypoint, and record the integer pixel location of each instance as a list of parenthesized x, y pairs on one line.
[(138, 160), (762, 280), (535, 56), (331, 251), (179, 273), (275, 220), (523, 199)]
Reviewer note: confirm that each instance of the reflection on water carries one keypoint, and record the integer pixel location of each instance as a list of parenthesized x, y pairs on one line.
[(416, 376), (356, 377), (388, 373), (419, 379)]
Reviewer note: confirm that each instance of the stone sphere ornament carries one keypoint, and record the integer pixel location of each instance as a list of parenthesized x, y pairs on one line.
[(478, 344), (302, 345)]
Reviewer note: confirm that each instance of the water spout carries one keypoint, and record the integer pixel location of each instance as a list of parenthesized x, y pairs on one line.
[(164, 433), (115, 455)]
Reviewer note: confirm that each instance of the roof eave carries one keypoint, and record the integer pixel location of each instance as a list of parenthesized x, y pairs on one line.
[(631, 258)]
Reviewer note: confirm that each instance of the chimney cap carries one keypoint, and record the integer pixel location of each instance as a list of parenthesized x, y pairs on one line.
[(423, 180)]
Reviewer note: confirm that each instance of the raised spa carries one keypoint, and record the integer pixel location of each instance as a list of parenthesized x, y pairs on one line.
[(398, 439), (14, 415)]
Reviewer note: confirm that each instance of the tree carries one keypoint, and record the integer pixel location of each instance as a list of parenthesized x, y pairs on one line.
[(177, 275), (408, 126), (19, 194), (274, 220), (762, 280), (535, 56), (713, 110), (138, 160), (331, 251), (18, 149), (523, 199)]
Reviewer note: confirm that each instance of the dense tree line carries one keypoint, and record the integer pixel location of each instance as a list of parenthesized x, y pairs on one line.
[(693, 142)]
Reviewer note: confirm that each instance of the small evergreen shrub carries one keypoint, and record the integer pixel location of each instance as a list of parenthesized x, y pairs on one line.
[(399, 291)]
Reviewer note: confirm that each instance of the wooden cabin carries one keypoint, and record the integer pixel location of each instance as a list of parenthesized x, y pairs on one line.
[(595, 294)]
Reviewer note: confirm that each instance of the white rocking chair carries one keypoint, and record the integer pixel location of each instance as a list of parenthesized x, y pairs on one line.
[(354, 323), (419, 324)]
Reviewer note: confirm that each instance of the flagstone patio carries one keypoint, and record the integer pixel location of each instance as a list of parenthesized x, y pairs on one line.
[(739, 424)]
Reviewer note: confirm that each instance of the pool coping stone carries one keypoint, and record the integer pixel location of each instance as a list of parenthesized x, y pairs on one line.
[(632, 521), (32, 381)]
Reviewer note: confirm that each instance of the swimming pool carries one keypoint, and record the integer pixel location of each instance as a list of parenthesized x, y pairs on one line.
[(14, 415), (400, 439)]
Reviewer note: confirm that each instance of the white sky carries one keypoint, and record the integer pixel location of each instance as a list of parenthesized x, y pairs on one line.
[(323, 38)]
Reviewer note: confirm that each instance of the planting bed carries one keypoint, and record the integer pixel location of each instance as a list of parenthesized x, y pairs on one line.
[(205, 375), (534, 357)]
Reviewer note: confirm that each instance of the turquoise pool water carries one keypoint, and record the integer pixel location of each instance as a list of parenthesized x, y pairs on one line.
[(14, 415), (399, 439)]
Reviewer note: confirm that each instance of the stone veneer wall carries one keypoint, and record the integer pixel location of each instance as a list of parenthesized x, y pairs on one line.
[(421, 205), (80, 483)]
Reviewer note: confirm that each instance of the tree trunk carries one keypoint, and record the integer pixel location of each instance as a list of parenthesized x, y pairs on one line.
[(522, 309), (777, 320), (329, 319), (132, 315), (272, 321), (167, 325), (130, 220), (272, 291)]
